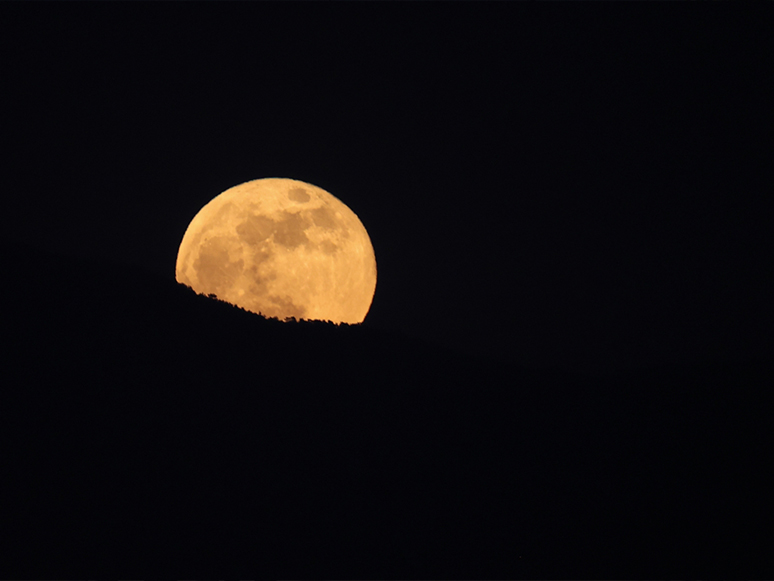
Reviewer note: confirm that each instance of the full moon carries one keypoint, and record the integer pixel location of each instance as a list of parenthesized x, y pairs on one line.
[(281, 248)]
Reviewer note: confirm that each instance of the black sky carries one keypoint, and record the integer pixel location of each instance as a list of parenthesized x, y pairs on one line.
[(580, 185), (549, 183)]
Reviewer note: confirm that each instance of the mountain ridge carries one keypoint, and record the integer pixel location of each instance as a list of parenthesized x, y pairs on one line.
[(147, 422)]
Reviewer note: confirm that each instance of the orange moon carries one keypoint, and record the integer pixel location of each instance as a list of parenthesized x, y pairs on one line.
[(281, 248)]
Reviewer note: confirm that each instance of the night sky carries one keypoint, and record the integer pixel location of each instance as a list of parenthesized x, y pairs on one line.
[(549, 184), (566, 370)]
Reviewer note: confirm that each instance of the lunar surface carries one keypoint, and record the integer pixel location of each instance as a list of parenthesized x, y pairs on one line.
[(281, 248)]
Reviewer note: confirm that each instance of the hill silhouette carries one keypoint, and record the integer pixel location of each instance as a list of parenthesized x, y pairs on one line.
[(146, 424)]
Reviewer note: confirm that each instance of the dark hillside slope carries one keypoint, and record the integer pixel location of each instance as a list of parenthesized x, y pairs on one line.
[(143, 423)]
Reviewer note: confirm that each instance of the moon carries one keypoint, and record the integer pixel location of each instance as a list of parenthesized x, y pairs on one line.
[(281, 248)]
